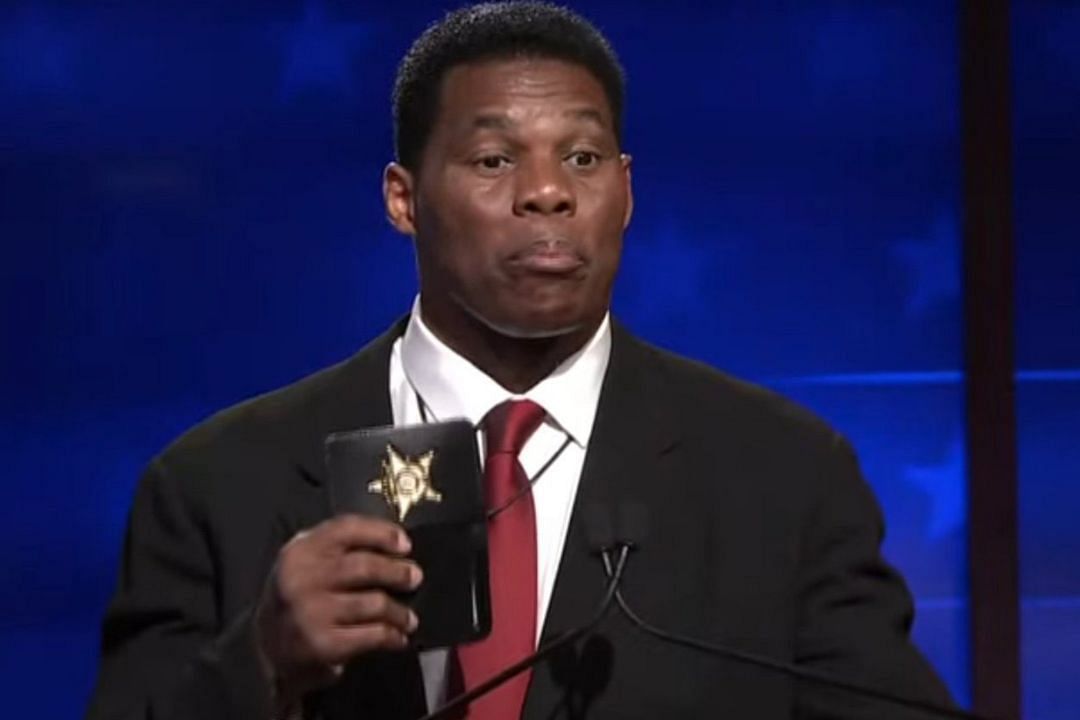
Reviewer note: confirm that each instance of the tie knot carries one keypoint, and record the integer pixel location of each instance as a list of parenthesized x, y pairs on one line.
[(509, 425)]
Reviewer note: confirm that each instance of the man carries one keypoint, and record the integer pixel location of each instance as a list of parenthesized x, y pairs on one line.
[(239, 597)]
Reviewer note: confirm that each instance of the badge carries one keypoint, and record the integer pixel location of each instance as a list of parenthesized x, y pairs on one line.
[(405, 481)]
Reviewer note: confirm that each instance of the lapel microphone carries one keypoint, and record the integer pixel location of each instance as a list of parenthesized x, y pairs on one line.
[(603, 539), (630, 521)]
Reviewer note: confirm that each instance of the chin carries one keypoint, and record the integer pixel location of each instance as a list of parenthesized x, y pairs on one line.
[(531, 329), (534, 333), (536, 324)]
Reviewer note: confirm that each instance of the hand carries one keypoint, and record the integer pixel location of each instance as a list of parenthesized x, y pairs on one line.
[(327, 601)]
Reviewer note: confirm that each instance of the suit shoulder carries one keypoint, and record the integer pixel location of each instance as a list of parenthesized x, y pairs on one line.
[(263, 420), (711, 397)]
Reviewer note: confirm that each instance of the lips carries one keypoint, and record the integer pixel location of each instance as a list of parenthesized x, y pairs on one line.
[(548, 258)]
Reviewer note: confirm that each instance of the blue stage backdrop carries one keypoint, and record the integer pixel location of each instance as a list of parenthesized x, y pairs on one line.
[(191, 215), (1046, 86)]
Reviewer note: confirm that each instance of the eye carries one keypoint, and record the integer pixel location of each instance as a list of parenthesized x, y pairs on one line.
[(584, 159), (492, 162)]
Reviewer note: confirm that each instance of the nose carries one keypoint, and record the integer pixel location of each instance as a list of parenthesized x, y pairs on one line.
[(543, 188)]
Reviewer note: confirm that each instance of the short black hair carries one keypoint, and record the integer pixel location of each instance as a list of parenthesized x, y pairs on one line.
[(491, 31)]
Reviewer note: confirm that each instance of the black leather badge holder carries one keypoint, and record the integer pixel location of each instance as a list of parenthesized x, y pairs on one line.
[(426, 478)]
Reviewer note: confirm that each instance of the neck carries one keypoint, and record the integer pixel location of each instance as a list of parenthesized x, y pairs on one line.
[(516, 363)]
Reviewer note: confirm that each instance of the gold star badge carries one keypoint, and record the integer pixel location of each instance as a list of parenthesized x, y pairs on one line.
[(405, 481)]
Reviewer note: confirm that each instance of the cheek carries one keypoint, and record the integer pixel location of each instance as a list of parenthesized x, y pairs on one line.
[(455, 248), (463, 209), (608, 229)]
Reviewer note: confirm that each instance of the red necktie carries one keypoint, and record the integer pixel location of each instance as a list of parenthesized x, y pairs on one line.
[(512, 559)]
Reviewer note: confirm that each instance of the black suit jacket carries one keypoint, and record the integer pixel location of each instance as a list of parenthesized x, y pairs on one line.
[(761, 534)]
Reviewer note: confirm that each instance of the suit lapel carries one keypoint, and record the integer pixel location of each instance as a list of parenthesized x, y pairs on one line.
[(634, 428), (355, 394), (350, 395)]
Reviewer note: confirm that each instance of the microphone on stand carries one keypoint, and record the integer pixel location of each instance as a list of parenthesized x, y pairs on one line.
[(602, 538)]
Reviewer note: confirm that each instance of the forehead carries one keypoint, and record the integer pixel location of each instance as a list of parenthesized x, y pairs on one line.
[(517, 86)]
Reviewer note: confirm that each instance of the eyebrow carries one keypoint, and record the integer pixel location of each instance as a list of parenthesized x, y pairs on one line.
[(589, 115), (491, 122), (498, 121)]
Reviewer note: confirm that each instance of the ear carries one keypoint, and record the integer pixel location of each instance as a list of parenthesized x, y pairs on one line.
[(399, 197), (626, 161)]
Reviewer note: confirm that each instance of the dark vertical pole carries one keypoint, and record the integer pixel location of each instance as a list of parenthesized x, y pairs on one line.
[(988, 300)]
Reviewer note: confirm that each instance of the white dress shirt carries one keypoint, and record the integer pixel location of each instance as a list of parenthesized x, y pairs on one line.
[(425, 370)]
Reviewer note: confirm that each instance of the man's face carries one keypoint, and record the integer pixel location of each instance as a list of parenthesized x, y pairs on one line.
[(521, 198)]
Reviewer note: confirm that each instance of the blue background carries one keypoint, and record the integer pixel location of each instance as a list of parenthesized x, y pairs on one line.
[(1046, 88), (191, 215)]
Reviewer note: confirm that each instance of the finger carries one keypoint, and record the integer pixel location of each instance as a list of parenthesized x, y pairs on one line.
[(359, 570), (351, 532), (347, 642), (373, 607)]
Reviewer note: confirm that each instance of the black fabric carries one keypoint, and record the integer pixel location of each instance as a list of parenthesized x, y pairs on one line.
[(761, 533)]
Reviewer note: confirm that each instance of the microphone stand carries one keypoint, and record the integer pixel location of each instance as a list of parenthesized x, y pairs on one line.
[(614, 572)]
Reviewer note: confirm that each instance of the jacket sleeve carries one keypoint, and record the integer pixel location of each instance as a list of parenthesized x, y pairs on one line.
[(165, 652), (856, 611)]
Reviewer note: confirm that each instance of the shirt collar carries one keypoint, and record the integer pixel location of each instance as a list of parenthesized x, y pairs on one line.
[(452, 387)]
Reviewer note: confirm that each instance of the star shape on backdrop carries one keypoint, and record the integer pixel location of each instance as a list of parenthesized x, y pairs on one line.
[(687, 261), (945, 484), (319, 54), (37, 54), (933, 263)]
